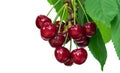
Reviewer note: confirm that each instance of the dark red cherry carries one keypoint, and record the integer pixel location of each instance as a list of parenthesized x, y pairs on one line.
[(65, 34), (79, 56), (81, 39), (76, 31), (57, 25), (41, 19), (84, 43), (48, 31), (57, 41), (62, 54), (90, 29), (69, 62)]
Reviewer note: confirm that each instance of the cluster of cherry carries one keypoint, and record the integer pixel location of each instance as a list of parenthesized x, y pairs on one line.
[(59, 33)]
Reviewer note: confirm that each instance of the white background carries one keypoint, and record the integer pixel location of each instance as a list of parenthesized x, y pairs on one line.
[(23, 51)]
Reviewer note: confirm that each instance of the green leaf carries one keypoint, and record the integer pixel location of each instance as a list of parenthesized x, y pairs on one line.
[(59, 5), (116, 33), (98, 49), (80, 14), (50, 1), (103, 11), (105, 31)]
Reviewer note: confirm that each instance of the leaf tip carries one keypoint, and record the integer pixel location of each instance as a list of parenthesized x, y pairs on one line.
[(102, 68)]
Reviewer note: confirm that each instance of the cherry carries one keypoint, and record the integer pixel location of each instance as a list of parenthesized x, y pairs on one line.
[(48, 31), (62, 54), (57, 41), (90, 29), (57, 25), (41, 19), (76, 31), (65, 34), (81, 39), (79, 56), (84, 43), (69, 62)]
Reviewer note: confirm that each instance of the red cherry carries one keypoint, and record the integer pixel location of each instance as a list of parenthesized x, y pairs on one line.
[(48, 31), (76, 31), (65, 35), (57, 25), (62, 54), (69, 62), (84, 43), (79, 56), (81, 39), (57, 41), (90, 29), (41, 19)]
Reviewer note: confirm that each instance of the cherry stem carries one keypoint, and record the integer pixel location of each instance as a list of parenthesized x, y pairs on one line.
[(62, 17), (70, 44), (83, 10), (58, 13), (65, 39), (53, 7), (76, 44), (74, 9)]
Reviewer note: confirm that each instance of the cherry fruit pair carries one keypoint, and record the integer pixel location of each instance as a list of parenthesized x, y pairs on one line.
[(77, 56), (81, 34)]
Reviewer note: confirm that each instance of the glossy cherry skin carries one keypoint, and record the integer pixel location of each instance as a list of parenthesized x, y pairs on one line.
[(90, 29), (84, 43), (41, 19), (62, 54), (69, 62), (57, 41), (65, 34), (57, 25), (81, 39), (76, 31), (48, 31), (79, 56)]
